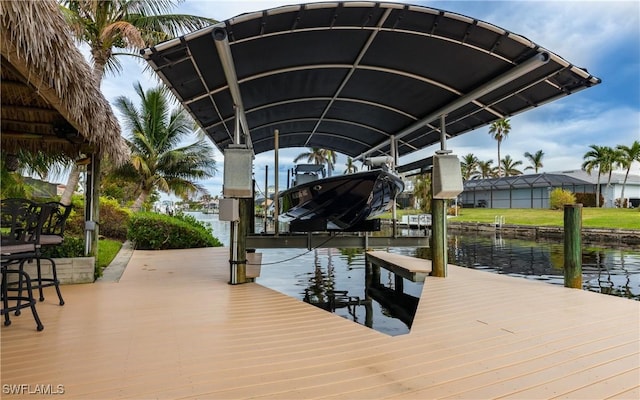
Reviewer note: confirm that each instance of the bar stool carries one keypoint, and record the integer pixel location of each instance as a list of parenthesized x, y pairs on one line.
[(22, 300), (21, 221), (51, 234)]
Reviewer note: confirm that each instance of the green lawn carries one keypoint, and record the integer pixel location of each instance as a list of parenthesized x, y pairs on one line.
[(591, 217), (107, 251)]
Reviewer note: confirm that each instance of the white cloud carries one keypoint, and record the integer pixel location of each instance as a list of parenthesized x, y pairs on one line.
[(585, 33), (579, 31)]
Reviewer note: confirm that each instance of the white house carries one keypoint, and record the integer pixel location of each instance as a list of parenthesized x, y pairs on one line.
[(612, 190), (533, 190)]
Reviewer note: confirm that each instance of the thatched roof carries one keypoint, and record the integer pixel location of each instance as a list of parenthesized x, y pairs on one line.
[(50, 100)]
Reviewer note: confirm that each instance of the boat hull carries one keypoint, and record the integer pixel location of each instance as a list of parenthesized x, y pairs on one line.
[(339, 203)]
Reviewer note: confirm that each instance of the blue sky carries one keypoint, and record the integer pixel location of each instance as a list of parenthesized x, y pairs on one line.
[(602, 36)]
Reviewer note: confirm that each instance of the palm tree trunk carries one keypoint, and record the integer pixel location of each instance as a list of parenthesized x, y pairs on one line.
[(499, 163), (609, 187), (72, 183), (74, 176), (598, 191), (623, 185), (137, 205)]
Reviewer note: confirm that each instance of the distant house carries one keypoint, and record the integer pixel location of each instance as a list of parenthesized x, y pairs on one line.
[(614, 190), (533, 190)]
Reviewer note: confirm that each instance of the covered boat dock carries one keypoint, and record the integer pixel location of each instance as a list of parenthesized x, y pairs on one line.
[(360, 78)]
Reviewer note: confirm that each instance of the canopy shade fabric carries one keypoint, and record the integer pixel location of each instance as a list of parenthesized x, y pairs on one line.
[(350, 76)]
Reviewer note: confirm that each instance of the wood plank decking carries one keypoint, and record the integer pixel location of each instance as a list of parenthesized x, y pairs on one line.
[(411, 268), (173, 328)]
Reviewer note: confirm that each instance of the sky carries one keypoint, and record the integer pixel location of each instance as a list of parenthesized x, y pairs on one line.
[(601, 36)]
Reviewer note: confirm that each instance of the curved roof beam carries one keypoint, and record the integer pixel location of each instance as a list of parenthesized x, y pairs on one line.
[(325, 134), (370, 30), (534, 62), (363, 51), (352, 69)]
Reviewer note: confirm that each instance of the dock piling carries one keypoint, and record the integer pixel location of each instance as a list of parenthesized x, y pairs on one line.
[(439, 238), (573, 246)]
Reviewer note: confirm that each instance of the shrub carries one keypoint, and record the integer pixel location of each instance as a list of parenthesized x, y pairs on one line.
[(151, 231), (113, 219), (588, 199), (193, 221), (622, 203), (559, 197), (70, 247)]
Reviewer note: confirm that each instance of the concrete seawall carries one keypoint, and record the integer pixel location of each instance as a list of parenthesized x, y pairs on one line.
[(610, 237)]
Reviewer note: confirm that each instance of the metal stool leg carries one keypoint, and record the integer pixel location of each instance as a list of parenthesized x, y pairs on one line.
[(45, 282), (21, 301)]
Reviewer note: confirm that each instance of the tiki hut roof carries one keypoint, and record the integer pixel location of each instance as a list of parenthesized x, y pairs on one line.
[(50, 100)]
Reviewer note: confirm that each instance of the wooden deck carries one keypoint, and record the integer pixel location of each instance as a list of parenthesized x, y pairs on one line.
[(173, 328), (411, 268)]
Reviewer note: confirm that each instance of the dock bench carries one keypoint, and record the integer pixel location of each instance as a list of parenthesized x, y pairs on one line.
[(411, 268)]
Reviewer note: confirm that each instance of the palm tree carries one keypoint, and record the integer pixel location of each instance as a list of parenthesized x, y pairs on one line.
[(535, 160), (614, 158), (16, 166), (509, 166), (499, 130), (155, 132), (422, 192), (596, 159), (316, 155), (128, 25), (485, 170), (629, 155), (469, 165), (351, 167)]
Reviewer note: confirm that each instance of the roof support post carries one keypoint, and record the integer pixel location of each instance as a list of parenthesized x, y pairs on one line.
[(394, 211), (439, 217), (238, 258), (276, 195), (92, 206), (226, 58)]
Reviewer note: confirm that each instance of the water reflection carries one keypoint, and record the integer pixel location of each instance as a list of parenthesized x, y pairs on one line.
[(604, 270), (335, 280), (338, 280)]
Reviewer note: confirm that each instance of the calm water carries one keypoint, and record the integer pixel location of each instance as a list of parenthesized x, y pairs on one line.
[(319, 274)]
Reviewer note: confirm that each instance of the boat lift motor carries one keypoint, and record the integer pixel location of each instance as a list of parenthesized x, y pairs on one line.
[(385, 162), (238, 169), (446, 176)]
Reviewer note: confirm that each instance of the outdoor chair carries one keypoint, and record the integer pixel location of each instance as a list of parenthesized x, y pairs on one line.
[(51, 234), (20, 223)]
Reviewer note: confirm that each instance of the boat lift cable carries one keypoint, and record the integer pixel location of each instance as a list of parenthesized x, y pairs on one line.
[(260, 191), (299, 255)]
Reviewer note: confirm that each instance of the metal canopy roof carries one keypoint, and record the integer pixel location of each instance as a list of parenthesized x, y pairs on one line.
[(349, 76)]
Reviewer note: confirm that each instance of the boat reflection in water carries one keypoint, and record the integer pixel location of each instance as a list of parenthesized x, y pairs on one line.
[(322, 292), (300, 272)]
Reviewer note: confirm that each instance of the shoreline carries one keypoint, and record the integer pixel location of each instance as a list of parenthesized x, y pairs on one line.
[(605, 236)]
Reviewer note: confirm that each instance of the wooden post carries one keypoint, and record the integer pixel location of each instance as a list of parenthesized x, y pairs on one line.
[(368, 303), (439, 238), (399, 283), (243, 229), (573, 246)]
